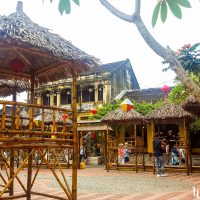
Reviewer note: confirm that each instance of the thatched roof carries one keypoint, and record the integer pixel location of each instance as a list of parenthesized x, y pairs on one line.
[(47, 56), (119, 115), (192, 105), (94, 128), (168, 111), (10, 87)]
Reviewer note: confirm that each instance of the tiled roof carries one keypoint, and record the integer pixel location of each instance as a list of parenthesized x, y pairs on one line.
[(108, 67), (147, 95)]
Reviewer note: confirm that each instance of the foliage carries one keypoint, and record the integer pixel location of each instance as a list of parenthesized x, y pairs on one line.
[(195, 126), (189, 57), (162, 7), (178, 94), (102, 111), (65, 6), (141, 107), (146, 107)]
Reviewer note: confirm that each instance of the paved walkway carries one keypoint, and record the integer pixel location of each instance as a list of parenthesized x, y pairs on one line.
[(98, 184)]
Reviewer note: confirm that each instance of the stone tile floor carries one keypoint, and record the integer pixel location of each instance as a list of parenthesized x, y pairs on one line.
[(98, 184)]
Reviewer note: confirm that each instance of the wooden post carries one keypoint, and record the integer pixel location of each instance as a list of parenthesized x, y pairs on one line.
[(136, 148), (30, 158), (143, 155), (12, 152), (106, 149), (187, 146), (75, 138)]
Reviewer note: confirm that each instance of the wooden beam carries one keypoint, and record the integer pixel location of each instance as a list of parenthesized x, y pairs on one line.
[(21, 56), (6, 72)]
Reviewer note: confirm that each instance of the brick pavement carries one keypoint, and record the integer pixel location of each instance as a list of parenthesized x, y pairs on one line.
[(98, 184)]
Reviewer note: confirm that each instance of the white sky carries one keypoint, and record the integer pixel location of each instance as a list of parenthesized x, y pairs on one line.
[(94, 30)]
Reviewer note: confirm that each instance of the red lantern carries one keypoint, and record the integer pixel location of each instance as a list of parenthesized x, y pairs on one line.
[(17, 65), (93, 111), (65, 116), (165, 88), (92, 135)]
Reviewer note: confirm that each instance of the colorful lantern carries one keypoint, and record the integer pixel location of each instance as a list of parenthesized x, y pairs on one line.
[(127, 105), (38, 121), (93, 111), (17, 65), (165, 88), (93, 135), (65, 116)]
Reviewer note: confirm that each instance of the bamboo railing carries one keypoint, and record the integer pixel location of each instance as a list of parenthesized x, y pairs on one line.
[(20, 143)]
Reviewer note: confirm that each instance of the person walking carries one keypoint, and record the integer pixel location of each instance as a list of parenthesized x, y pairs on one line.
[(158, 155)]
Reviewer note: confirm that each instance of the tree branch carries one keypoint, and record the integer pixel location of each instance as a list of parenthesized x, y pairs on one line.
[(165, 53), (116, 12)]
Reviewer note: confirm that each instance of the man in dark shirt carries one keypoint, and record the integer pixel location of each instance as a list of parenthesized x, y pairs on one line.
[(158, 155)]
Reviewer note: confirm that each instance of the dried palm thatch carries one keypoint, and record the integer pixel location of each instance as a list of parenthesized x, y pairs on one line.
[(11, 87), (119, 115), (46, 56), (192, 105), (168, 111)]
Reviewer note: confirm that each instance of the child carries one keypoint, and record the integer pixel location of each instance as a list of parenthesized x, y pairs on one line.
[(121, 154), (126, 153)]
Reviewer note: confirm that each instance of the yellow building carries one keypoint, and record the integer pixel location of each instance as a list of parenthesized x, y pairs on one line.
[(94, 88)]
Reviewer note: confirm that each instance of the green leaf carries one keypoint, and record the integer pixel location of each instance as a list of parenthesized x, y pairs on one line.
[(175, 9), (155, 14), (163, 11), (184, 3), (64, 5), (77, 2)]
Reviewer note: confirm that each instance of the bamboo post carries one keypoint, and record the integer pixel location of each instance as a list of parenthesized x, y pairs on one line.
[(187, 146), (12, 152), (153, 134), (75, 138), (106, 149), (143, 155), (30, 158), (136, 148)]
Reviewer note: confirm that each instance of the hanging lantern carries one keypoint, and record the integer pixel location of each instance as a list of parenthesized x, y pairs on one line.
[(127, 105), (165, 88), (65, 116), (17, 65), (93, 111), (93, 135)]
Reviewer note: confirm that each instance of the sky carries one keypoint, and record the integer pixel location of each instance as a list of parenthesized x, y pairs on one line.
[(96, 31)]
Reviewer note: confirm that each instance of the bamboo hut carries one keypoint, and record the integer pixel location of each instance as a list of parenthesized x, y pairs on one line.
[(171, 116), (31, 53), (192, 105), (129, 127)]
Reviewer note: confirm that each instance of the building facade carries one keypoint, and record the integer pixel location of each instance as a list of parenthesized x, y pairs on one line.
[(94, 88)]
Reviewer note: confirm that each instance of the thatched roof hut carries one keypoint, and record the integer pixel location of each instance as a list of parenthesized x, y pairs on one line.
[(168, 111), (29, 51), (119, 115), (192, 105)]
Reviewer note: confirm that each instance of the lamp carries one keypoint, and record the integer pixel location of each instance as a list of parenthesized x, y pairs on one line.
[(90, 90)]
